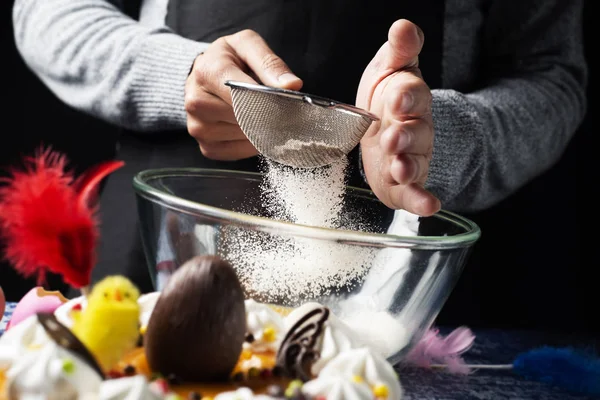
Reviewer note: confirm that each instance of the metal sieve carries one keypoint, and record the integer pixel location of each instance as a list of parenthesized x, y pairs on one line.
[(295, 128)]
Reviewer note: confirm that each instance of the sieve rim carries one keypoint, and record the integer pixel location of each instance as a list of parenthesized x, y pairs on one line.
[(306, 97), (163, 198)]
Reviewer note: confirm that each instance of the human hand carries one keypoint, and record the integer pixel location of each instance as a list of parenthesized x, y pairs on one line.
[(244, 57), (397, 149)]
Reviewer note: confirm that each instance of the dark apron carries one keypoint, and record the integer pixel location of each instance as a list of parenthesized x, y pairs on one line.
[(327, 43)]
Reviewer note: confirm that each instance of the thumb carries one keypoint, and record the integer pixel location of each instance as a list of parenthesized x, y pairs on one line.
[(401, 51), (405, 41)]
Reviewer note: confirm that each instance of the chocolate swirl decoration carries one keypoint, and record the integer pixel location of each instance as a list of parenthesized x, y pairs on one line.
[(297, 352), (67, 340)]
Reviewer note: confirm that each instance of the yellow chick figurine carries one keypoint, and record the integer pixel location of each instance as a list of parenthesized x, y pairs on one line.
[(109, 325)]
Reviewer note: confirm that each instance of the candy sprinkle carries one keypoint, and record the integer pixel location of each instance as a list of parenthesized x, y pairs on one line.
[(269, 334), (293, 387), (68, 366), (246, 354), (381, 391)]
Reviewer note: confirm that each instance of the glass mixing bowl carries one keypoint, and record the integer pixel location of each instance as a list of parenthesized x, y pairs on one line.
[(385, 273)]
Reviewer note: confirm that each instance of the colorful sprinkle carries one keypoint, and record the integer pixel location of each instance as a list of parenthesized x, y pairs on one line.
[(381, 391), (357, 379), (253, 372), (114, 374), (269, 334), (68, 366), (246, 354), (266, 373), (293, 388), (163, 385)]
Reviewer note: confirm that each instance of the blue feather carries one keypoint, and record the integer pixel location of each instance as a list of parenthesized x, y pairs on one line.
[(562, 367)]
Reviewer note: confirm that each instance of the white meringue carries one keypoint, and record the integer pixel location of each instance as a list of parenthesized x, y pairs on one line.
[(243, 393), (260, 317), (20, 339), (336, 337), (134, 387), (364, 365), (337, 388), (51, 372)]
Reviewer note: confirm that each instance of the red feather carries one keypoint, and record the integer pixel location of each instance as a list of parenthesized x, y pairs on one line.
[(48, 218)]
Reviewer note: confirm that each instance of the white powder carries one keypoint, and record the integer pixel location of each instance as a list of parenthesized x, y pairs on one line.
[(306, 196), (293, 270), (380, 330), (307, 154)]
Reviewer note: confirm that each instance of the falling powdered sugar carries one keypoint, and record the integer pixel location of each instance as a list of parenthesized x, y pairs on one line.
[(289, 270), (305, 196)]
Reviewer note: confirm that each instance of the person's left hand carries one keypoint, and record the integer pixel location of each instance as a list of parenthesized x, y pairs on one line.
[(397, 149)]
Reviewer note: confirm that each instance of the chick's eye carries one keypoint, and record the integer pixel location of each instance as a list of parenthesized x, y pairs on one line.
[(127, 295), (106, 295)]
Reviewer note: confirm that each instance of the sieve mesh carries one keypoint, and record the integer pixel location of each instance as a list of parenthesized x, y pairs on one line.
[(297, 129)]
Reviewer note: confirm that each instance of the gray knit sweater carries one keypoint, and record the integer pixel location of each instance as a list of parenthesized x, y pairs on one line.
[(513, 86)]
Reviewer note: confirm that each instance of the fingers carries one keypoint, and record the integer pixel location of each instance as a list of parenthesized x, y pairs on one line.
[(401, 51), (243, 57), (405, 169), (213, 68), (270, 69), (227, 151), (207, 107), (406, 137), (412, 137), (206, 132), (413, 198), (406, 96)]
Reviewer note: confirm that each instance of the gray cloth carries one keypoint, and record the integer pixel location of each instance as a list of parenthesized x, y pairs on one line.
[(513, 85)]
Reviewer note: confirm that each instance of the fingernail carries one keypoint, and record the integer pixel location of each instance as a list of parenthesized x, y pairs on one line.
[(287, 78), (406, 103)]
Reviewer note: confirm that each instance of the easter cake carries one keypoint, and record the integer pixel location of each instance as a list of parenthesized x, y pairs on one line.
[(197, 339), (200, 337)]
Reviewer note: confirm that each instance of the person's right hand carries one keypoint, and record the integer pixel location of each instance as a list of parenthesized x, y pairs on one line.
[(244, 57)]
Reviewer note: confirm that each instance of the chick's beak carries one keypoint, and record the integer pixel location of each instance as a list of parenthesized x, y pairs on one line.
[(118, 296)]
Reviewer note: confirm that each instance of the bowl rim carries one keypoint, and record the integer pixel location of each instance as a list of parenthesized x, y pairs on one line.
[(145, 190)]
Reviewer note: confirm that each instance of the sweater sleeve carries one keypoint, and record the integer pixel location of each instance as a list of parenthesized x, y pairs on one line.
[(517, 122), (98, 60)]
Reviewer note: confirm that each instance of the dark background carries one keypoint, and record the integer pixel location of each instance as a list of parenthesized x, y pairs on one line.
[(532, 268)]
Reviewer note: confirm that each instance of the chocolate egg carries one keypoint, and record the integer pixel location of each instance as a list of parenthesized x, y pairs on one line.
[(198, 325)]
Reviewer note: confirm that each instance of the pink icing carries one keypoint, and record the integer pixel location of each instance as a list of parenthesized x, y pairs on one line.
[(37, 300)]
